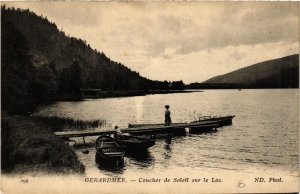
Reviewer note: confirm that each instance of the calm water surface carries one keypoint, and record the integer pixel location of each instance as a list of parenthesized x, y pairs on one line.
[(264, 134)]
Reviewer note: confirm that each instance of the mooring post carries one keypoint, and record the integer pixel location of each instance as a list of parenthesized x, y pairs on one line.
[(83, 137)]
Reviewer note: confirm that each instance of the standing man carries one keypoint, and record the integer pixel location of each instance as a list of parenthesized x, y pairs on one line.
[(168, 120)]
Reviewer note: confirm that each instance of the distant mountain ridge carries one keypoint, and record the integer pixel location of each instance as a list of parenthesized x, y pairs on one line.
[(277, 73)]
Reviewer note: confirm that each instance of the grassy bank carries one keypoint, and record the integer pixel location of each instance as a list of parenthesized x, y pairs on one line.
[(28, 145)]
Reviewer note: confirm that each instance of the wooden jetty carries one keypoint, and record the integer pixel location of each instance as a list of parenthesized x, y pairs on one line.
[(142, 130), (204, 125)]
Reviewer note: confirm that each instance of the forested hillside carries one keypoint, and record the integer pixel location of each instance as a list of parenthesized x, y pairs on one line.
[(40, 63)]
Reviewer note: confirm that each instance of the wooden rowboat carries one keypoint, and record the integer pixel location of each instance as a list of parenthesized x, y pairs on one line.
[(222, 121), (134, 144), (109, 151)]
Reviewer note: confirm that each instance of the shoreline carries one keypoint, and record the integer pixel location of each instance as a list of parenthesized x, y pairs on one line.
[(131, 93), (115, 94), (29, 145)]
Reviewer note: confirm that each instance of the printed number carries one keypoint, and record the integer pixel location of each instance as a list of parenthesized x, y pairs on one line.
[(25, 181), (241, 184)]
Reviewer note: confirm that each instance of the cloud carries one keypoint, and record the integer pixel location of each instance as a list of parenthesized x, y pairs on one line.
[(192, 41), (200, 66), (245, 25), (238, 55), (66, 12)]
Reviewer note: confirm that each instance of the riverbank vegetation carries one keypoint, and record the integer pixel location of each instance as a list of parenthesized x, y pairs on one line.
[(29, 145), (64, 123)]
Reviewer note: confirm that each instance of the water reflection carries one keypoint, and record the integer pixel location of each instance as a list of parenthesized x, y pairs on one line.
[(116, 168), (139, 110), (168, 149), (204, 132), (144, 159)]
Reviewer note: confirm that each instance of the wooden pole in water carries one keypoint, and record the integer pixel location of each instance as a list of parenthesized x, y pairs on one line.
[(83, 137)]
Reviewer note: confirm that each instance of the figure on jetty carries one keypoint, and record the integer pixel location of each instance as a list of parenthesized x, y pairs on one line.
[(168, 120), (118, 130)]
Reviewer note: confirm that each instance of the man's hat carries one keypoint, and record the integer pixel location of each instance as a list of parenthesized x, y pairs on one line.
[(167, 106)]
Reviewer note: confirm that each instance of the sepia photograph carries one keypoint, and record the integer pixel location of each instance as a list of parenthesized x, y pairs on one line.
[(153, 97)]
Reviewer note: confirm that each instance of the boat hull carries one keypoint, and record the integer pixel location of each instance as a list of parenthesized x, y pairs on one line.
[(222, 121), (135, 144), (109, 151), (109, 161)]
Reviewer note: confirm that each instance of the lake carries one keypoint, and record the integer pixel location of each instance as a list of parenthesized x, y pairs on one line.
[(263, 137)]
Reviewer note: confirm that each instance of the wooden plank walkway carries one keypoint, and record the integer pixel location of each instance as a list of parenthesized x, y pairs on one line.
[(141, 130)]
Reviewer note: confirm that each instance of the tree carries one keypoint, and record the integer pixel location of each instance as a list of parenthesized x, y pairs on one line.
[(16, 69), (45, 84), (70, 80), (177, 85)]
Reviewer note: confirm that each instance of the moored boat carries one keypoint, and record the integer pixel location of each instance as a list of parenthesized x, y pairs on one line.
[(109, 151), (134, 144), (221, 120)]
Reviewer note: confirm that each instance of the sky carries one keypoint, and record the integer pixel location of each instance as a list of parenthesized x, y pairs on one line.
[(189, 41)]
